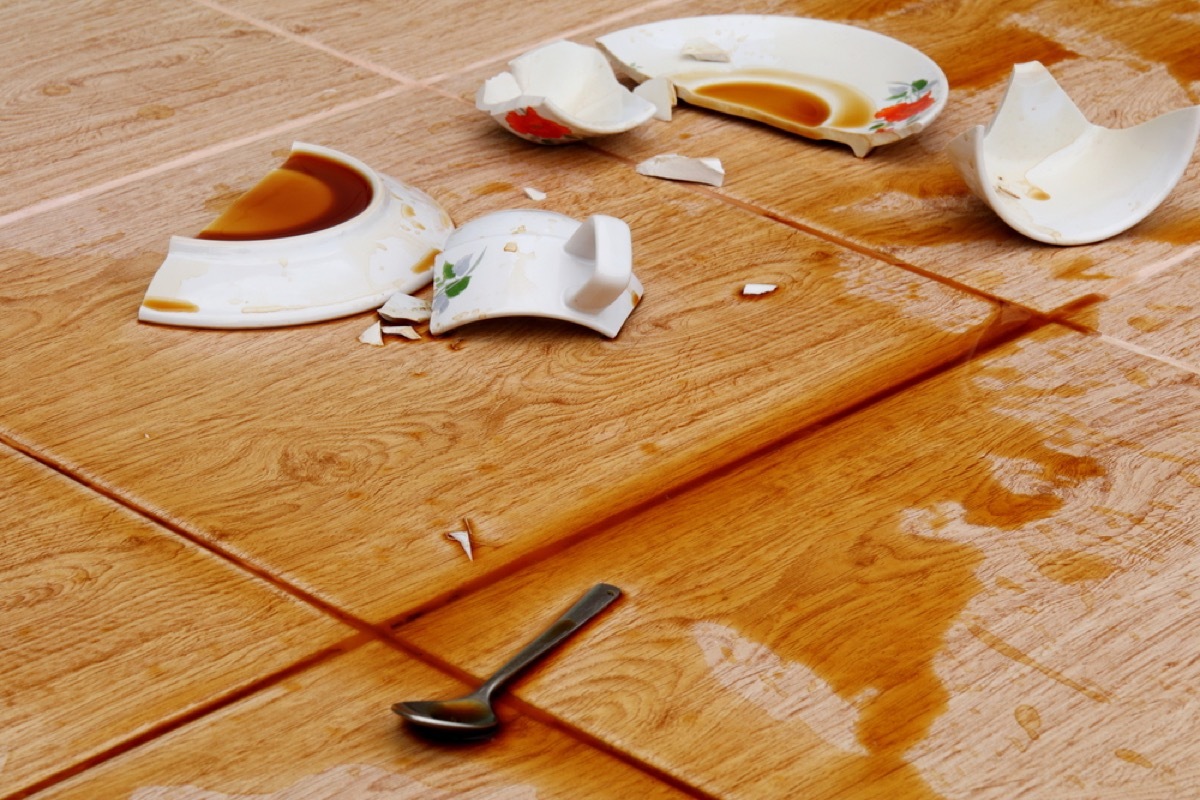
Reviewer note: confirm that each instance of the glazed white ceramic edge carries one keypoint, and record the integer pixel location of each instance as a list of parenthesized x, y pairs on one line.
[(344, 269), (754, 41), (511, 91), (538, 264), (1037, 127)]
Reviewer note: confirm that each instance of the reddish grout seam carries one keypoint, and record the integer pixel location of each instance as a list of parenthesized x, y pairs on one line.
[(527, 709), (308, 41), (996, 333), (165, 727), (114, 496), (513, 53), (193, 157)]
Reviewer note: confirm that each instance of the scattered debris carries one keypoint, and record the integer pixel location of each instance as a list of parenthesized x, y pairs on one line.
[(704, 50), (681, 168), (661, 92), (463, 537), (372, 335), (753, 289), (407, 331), (534, 194), (402, 307)]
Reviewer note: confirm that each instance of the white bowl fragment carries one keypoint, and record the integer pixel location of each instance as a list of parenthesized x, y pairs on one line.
[(675, 167), (661, 92), (1056, 178), (755, 289), (534, 194), (560, 93), (344, 269), (818, 79)]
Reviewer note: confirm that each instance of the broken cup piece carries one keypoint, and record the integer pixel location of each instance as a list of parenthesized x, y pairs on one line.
[(322, 236), (559, 93), (1056, 178), (675, 167), (533, 263)]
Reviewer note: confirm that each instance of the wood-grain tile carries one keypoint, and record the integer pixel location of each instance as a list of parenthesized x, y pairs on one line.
[(340, 467), (329, 732), (112, 626), (905, 200), (445, 36), (1160, 313), (982, 587), (92, 91)]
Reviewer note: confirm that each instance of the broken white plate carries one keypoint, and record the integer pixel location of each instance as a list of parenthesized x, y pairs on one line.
[(350, 266), (1055, 177), (819, 79), (561, 92)]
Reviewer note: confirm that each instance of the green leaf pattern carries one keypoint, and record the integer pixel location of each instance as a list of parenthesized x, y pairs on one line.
[(452, 279)]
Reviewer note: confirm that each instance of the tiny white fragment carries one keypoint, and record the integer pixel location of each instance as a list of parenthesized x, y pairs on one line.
[(372, 335), (464, 539), (402, 307), (407, 331), (759, 288), (661, 92), (534, 194), (704, 50), (681, 168)]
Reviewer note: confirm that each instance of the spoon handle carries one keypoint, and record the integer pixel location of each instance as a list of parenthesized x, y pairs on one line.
[(592, 603)]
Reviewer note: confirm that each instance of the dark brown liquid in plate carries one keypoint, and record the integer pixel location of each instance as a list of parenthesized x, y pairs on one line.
[(306, 193), (791, 103)]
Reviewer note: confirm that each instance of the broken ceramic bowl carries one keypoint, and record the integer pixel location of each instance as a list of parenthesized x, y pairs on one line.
[(561, 93), (1054, 177), (320, 237), (819, 79)]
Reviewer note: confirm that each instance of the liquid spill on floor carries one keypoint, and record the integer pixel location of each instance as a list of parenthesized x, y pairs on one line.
[(863, 602)]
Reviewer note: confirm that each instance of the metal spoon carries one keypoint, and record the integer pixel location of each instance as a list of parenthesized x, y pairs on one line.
[(472, 716)]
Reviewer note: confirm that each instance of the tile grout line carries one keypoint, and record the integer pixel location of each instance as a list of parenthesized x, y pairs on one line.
[(194, 157), (188, 716), (534, 712), (364, 633), (1150, 354), (995, 332), (308, 41), (516, 51)]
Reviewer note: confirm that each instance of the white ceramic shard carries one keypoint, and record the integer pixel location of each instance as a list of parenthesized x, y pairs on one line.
[(815, 78), (373, 335), (755, 289), (661, 92), (675, 167), (704, 50), (1054, 177), (406, 331), (402, 307), (352, 266), (464, 541), (534, 194), (560, 93)]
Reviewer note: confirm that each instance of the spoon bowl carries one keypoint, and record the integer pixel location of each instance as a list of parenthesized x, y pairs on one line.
[(472, 716)]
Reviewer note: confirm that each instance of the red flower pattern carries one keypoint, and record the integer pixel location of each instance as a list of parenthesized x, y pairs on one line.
[(531, 123), (902, 111)]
